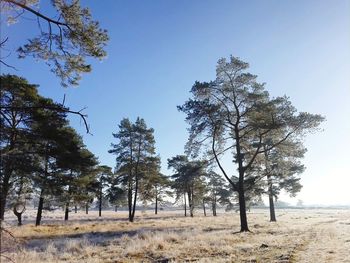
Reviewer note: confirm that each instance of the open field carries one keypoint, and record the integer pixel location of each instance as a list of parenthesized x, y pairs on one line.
[(298, 236)]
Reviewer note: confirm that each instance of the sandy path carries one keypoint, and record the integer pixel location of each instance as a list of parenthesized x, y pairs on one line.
[(329, 241)]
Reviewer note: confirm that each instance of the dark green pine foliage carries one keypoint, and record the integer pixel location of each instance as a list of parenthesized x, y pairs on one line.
[(46, 147), (77, 171), (188, 179), (17, 99), (155, 186), (217, 191), (104, 175), (135, 144)]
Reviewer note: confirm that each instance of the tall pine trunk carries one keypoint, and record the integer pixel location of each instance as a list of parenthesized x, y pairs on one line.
[(204, 212), (100, 203), (136, 181), (40, 208), (130, 201), (75, 209), (241, 197), (5, 186), (190, 203), (243, 212), (66, 212), (185, 204), (156, 208), (135, 198), (214, 206), (87, 208), (242, 203), (271, 201)]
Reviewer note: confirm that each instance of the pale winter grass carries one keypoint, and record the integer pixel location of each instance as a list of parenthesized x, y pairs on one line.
[(298, 236)]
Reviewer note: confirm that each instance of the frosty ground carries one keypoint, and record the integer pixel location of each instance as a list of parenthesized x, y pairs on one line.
[(299, 235)]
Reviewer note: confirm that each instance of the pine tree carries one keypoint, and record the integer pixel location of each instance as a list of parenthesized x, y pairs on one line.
[(135, 145), (234, 112)]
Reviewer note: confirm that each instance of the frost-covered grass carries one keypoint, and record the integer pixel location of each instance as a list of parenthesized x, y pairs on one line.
[(298, 236)]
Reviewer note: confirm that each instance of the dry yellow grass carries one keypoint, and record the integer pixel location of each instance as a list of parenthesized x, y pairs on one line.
[(298, 236)]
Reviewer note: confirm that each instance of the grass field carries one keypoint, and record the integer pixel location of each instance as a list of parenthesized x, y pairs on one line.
[(304, 235)]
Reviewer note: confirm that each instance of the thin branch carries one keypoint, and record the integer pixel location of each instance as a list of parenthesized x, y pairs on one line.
[(4, 41), (58, 23), (83, 116), (219, 164), (7, 65)]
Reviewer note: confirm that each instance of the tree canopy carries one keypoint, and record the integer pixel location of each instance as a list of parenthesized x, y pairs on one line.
[(67, 35), (235, 112)]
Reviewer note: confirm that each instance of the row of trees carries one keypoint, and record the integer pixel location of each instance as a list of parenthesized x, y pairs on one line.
[(195, 182), (233, 114), (41, 154)]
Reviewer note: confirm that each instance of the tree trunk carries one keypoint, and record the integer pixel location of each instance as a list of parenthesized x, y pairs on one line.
[(242, 211), (87, 208), (3, 196), (136, 181), (7, 172), (271, 202), (205, 213), (185, 204), (134, 203), (19, 219), (116, 208), (214, 206), (130, 177), (75, 209), (18, 214), (66, 213), (130, 202), (5, 187), (40, 208), (241, 197), (100, 203), (156, 208), (190, 203)]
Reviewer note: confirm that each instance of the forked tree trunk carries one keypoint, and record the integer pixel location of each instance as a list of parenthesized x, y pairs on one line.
[(136, 182), (271, 201), (134, 203), (19, 213), (19, 218)]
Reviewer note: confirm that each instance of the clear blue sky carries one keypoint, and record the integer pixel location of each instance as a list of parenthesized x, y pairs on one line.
[(158, 49)]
